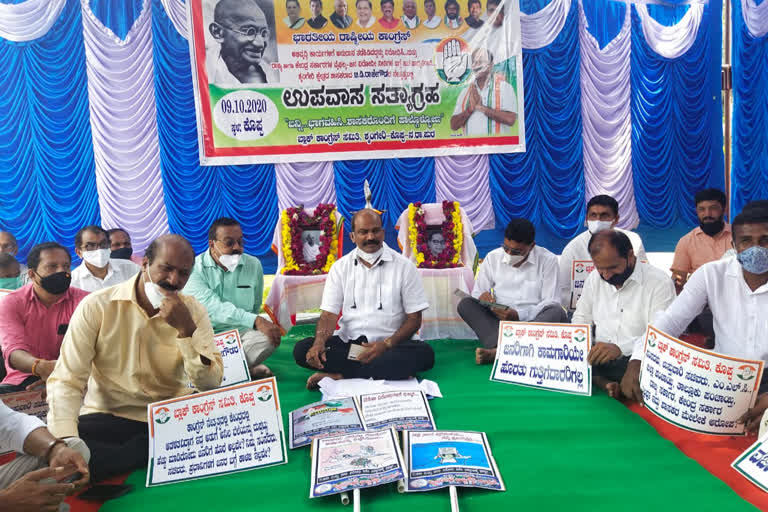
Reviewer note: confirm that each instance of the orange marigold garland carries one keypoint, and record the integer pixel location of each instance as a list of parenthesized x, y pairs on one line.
[(453, 234), (295, 221)]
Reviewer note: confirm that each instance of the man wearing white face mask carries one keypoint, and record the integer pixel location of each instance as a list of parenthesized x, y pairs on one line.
[(519, 275), (98, 270), (736, 290), (602, 214), (380, 297), (230, 284), (132, 344)]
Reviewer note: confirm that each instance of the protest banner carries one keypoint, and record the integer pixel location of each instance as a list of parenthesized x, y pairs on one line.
[(289, 84), (401, 410), (545, 356), (696, 389), (355, 461), (323, 419), (27, 402), (226, 430), (441, 458), (753, 463), (233, 357), (580, 270)]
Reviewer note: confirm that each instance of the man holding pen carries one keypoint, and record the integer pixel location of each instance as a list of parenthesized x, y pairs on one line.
[(521, 279)]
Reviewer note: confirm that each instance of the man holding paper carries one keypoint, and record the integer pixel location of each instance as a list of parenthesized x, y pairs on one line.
[(230, 284), (520, 278), (736, 290), (133, 344), (380, 297), (620, 298)]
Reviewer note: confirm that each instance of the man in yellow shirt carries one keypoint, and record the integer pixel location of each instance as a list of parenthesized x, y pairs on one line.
[(133, 344)]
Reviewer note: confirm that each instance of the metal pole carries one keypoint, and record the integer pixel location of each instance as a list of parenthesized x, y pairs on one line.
[(727, 86)]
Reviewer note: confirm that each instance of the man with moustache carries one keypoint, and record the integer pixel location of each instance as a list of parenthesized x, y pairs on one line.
[(133, 344), (379, 295), (452, 19), (736, 291), (488, 106), (230, 284), (241, 28), (388, 20), (433, 20)]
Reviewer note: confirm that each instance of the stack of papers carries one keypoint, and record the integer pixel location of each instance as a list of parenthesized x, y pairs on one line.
[(354, 387)]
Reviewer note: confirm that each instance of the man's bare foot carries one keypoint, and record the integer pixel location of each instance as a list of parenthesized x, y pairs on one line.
[(485, 355), (612, 388), (261, 371), (315, 378)]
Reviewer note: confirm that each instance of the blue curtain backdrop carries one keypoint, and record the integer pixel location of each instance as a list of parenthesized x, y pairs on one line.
[(195, 196), (546, 183), (48, 188), (676, 120), (750, 114), (47, 183)]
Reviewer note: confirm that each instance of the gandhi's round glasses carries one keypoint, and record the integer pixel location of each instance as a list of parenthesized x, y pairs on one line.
[(250, 31)]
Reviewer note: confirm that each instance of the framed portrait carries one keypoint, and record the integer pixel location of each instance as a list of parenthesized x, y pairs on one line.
[(435, 240), (310, 243)]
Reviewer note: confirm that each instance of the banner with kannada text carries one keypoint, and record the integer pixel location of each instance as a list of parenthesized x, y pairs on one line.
[(696, 389), (304, 80)]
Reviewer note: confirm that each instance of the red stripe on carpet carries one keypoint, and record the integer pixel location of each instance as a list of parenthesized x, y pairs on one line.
[(90, 506), (713, 453)]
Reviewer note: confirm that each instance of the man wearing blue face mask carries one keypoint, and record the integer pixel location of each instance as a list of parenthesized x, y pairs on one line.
[(602, 214), (98, 270), (230, 284), (33, 318), (736, 290), (620, 298), (519, 275)]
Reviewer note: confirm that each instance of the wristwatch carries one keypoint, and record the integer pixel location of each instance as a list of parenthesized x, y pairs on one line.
[(51, 446)]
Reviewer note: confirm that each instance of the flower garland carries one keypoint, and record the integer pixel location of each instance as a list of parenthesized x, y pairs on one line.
[(453, 233), (294, 221)]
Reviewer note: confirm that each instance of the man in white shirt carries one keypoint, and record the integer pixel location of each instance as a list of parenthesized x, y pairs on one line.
[(34, 479), (98, 270), (380, 297), (621, 297), (410, 18), (9, 245), (736, 290), (488, 106), (602, 214), (519, 275)]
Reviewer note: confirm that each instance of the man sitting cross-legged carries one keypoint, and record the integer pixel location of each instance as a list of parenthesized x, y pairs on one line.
[(380, 297), (620, 298), (520, 275)]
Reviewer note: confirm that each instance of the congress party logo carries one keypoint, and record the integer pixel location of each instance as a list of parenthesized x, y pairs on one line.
[(162, 415), (230, 340), (264, 393), (452, 60), (579, 268), (580, 336), (652, 339), (746, 372), (509, 330)]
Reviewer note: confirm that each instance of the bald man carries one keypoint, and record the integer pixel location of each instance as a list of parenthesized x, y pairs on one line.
[(241, 28), (133, 344), (380, 297)]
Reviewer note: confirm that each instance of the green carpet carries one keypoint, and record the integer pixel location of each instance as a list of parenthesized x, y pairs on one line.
[(554, 451)]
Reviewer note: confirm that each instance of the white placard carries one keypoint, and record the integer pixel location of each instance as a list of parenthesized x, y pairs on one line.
[(545, 356), (753, 463), (27, 402), (438, 459), (222, 431), (696, 389), (580, 270), (401, 410), (355, 461), (323, 419), (233, 356)]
